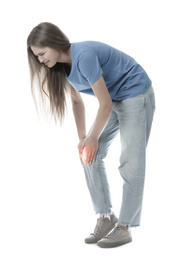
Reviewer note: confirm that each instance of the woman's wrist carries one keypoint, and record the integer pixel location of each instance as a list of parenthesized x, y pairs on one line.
[(93, 137), (82, 138)]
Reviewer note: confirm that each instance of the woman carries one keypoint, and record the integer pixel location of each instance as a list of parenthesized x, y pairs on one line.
[(126, 105)]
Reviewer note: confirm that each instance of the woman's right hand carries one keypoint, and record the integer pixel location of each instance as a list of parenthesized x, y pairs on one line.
[(91, 146)]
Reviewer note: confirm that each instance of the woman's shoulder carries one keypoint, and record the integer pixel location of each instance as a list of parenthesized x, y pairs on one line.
[(87, 48), (89, 45)]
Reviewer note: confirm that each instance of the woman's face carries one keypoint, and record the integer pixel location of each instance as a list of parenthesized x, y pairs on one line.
[(48, 56)]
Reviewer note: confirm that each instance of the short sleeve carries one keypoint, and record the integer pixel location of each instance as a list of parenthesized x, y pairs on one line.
[(90, 67)]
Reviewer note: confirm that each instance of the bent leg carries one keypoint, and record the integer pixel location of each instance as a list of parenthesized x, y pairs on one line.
[(95, 173)]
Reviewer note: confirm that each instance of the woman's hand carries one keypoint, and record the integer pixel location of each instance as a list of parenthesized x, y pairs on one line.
[(88, 149)]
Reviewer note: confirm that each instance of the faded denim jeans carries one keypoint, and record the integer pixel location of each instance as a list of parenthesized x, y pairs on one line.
[(131, 117)]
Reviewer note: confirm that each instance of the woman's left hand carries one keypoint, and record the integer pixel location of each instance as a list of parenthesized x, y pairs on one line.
[(90, 149)]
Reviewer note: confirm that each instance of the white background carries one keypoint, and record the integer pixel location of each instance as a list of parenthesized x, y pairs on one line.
[(45, 208)]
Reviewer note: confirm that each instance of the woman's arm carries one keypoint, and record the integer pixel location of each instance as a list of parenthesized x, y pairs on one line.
[(105, 107), (79, 113), (103, 114)]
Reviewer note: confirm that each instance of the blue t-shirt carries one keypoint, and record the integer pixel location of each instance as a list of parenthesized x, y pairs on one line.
[(123, 76)]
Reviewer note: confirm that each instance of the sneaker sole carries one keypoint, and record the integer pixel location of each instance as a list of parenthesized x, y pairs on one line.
[(114, 244)]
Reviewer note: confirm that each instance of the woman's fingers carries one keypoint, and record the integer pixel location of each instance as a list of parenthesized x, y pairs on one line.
[(89, 155), (87, 150), (89, 158), (94, 156)]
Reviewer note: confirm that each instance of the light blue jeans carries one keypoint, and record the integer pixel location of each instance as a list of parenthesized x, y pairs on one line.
[(131, 117)]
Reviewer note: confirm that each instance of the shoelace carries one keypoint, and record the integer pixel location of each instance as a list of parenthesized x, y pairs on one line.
[(113, 233), (98, 224)]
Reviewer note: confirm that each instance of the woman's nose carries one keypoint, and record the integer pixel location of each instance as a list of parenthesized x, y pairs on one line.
[(41, 59)]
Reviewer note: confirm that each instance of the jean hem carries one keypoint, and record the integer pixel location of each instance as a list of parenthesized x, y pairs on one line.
[(104, 215), (127, 225)]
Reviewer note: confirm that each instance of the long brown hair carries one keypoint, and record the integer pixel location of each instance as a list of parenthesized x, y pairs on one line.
[(51, 82)]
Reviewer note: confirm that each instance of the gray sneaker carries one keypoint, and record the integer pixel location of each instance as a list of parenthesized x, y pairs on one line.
[(103, 227), (117, 237)]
